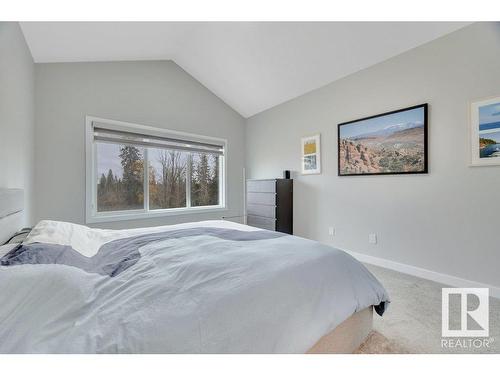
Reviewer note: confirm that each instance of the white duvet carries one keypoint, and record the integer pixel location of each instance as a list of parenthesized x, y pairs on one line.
[(196, 293)]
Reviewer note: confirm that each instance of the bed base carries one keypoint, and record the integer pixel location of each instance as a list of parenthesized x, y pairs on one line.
[(348, 336)]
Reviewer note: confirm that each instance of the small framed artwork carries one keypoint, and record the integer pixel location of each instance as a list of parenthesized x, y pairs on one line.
[(485, 132), (390, 143), (311, 154)]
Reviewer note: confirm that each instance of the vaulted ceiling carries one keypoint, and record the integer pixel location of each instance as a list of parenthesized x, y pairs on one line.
[(252, 66)]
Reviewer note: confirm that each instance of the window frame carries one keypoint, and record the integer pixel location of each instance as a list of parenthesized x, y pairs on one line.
[(91, 177)]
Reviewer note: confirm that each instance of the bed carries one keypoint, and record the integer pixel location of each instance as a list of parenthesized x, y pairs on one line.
[(202, 287)]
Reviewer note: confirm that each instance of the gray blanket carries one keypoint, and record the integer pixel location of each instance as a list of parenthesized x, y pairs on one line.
[(116, 256)]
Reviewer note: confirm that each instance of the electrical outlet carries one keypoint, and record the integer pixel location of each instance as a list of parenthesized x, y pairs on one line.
[(331, 231), (372, 238)]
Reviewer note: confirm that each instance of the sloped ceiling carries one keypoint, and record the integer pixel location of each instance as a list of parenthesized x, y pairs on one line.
[(252, 66)]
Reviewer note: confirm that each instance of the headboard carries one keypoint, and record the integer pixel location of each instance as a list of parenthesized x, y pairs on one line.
[(11, 212)]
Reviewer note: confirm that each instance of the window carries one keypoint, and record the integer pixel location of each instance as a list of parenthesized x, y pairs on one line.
[(136, 171), (120, 171), (204, 179), (167, 179)]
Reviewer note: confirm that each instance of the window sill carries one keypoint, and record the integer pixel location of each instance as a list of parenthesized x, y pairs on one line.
[(120, 216)]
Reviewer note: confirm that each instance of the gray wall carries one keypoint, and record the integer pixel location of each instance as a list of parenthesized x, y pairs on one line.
[(16, 113), (157, 93), (446, 221)]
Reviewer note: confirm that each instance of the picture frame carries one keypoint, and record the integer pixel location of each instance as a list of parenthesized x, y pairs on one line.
[(389, 143), (311, 154), (485, 132)]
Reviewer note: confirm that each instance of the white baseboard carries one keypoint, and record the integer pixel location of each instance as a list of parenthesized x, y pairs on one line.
[(424, 274)]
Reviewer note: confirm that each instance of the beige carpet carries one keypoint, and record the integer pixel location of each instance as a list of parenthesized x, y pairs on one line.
[(413, 319), (376, 343)]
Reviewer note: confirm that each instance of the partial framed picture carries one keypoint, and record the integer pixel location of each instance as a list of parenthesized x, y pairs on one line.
[(311, 154), (390, 143), (485, 132)]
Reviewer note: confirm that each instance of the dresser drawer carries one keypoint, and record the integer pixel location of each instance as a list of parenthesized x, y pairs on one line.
[(261, 186), (262, 210), (261, 222), (261, 198)]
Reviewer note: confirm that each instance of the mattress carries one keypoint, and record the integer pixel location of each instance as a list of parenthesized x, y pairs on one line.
[(201, 287)]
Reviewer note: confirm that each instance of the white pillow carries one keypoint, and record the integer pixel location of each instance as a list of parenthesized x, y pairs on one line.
[(85, 240), (81, 238), (5, 249)]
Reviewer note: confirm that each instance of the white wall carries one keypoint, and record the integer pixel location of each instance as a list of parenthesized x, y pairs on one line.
[(446, 221), (16, 114), (156, 93)]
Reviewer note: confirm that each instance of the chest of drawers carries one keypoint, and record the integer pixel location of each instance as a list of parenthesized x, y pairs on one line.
[(270, 204)]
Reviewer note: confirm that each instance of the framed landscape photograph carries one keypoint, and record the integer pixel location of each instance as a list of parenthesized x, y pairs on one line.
[(311, 154), (485, 132), (390, 143)]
